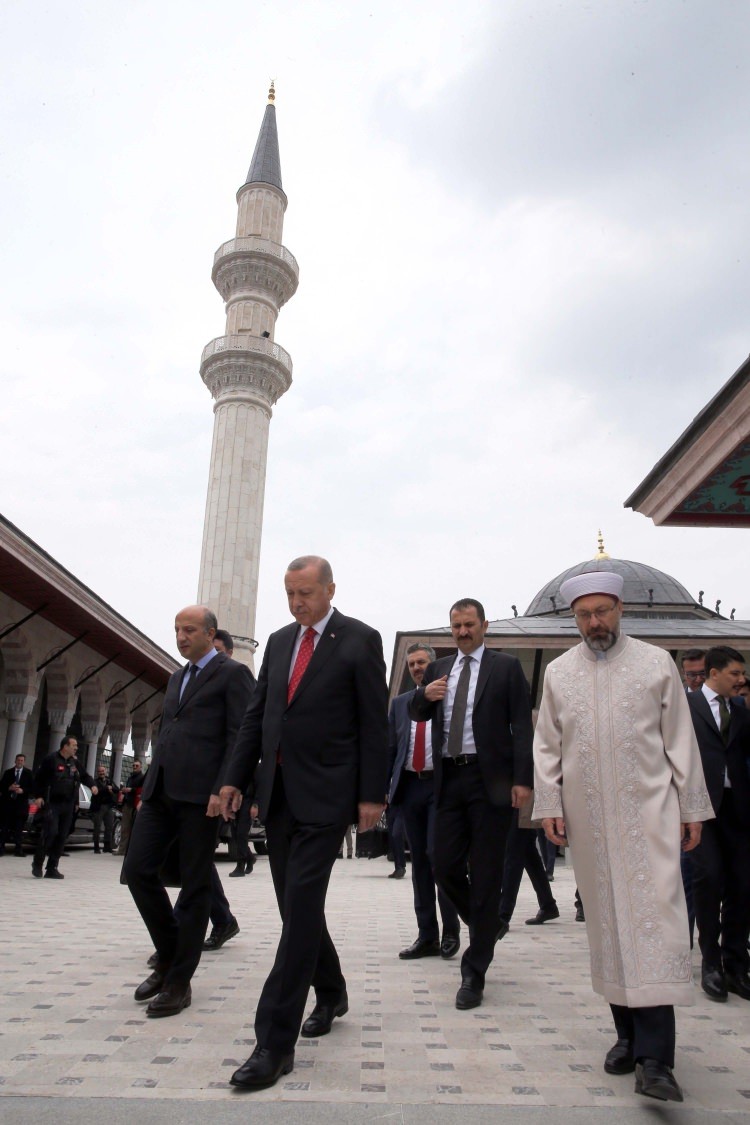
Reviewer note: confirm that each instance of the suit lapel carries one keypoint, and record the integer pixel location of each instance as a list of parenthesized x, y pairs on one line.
[(203, 677), (485, 666), (704, 710)]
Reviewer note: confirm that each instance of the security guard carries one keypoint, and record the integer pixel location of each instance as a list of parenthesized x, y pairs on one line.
[(57, 780)]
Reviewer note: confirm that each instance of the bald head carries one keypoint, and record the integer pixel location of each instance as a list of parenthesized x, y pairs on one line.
[(195, 627)]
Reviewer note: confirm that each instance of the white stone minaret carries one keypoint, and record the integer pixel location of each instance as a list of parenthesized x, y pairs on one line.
[(246, 372)]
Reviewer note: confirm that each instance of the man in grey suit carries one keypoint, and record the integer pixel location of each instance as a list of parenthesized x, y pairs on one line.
[(411, 788), (315, 735), (203, 708), (478, 702)]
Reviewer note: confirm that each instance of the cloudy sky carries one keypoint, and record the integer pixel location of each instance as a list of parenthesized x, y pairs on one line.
[(522, 229)]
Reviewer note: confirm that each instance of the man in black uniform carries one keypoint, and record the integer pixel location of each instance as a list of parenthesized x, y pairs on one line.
[(103, 808), (15, 790), (56, 783)]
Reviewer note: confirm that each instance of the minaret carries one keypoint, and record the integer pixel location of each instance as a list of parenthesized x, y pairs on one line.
[(246, 372)]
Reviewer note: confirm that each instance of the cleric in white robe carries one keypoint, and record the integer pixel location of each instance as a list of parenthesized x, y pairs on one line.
[(618, 777)]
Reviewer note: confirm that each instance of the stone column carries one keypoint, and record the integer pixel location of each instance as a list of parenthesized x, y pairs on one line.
[(92, 733), (58, 724), (119, 738), (17, 708)]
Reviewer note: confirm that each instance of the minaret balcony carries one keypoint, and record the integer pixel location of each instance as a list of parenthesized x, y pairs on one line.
[(246, 365), (255, 263)]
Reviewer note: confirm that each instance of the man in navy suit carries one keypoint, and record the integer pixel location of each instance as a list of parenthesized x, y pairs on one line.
[(721, 862), (316, 737), (203, 708), (478, 702), (411, 788), (15, 789)]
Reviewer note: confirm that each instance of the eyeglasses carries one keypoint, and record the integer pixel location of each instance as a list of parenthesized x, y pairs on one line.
[(603, 611), (695, 675)]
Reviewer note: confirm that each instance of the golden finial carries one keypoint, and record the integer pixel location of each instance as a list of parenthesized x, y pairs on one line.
[(601, 553), (272, 92)]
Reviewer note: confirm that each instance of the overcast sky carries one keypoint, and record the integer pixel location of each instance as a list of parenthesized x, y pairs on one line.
[(522, 230)]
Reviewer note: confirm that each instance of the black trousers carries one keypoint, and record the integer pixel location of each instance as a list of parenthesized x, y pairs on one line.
[(240, 831), (161, 821), (650, 1030), (396, 833), (57, 819), (219, 910), (470, 835), (103, 816), (13, 816), (301, 858), (416, 799), (721, 887), (521, 855)]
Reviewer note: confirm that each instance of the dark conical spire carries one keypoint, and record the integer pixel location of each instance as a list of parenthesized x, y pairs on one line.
[(265, 166)]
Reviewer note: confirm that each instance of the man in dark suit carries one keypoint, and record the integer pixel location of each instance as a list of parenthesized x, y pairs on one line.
[(411, 789), (317, 731), (482, 736), (203, 708), (15, 789), (721, 862)]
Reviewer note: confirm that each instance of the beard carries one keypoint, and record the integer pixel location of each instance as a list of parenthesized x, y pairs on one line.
[(603, 640)]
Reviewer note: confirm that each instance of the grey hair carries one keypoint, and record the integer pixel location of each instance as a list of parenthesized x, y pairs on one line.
[(325, 572), (418, 647)]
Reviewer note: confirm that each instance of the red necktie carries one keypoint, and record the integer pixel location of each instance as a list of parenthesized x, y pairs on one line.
[(419, 747), (304, 655)]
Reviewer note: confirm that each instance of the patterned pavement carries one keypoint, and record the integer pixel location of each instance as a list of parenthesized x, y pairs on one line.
[(73, 951)]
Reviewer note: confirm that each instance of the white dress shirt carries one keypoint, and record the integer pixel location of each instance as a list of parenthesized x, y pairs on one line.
[(319, 626), (468, 746)]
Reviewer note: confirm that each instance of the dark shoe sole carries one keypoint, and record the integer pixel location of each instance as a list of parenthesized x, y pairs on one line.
[(716, 999), (620, 1068), (660, 1094), (340, 1011)]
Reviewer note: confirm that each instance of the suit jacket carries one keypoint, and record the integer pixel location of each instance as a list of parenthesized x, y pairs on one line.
[(26, 783), (332, 738), (197, 732), (715, 756), (501, 722), (399, 738)]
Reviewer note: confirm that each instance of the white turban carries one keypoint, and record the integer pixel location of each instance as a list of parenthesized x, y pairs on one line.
[(592, 582)]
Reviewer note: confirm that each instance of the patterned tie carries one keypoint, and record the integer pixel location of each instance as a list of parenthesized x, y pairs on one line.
[(304, 655), (419, 747), (458, 715), (725, 719), (189, 679)]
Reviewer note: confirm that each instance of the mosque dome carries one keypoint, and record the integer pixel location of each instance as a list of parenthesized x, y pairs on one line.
[(644, 586)]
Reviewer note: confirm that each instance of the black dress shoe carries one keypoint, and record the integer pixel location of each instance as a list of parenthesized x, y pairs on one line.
[(239, 871), (153, 983), (449, 945), (263, 1068), (53, 873), (738, 983), (544, 914), (170, 1001), (619, 1059), (713, 984), (581, 917), (654, 1079), (397, 874), (153, 960), (36, 870), (469, 994), (420, 948), (321, 1018), (502, 929), (220, 934)]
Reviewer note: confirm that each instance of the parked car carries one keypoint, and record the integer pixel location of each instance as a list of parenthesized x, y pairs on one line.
[(256, 837), (82, 832)]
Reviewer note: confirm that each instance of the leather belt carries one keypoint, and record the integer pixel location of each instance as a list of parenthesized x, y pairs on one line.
[(421, 775), (460, 760)]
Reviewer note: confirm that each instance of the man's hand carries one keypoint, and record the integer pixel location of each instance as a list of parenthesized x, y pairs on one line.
[(368, 815), (230, 800), (94, 790), (436, 690), (554, 830), (214, 805), (691, 835), (520, 795), (39, 802)]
